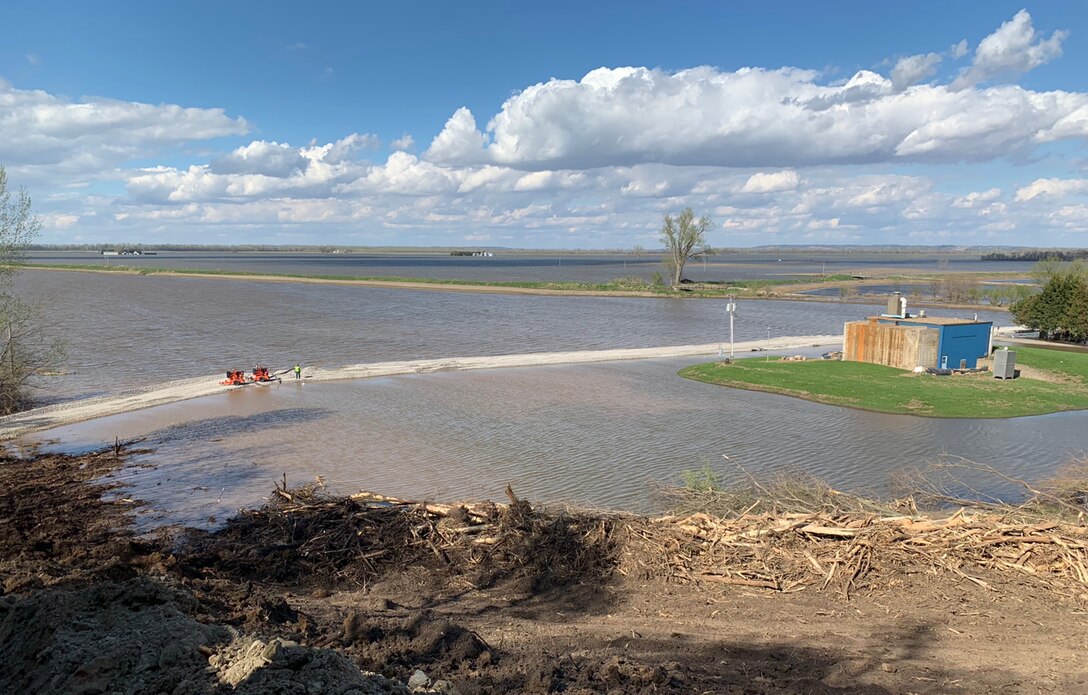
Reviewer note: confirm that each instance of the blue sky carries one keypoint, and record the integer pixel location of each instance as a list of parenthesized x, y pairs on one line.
[(560, 125)]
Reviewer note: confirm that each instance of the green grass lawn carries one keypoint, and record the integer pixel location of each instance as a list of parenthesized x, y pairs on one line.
[(889, 390)]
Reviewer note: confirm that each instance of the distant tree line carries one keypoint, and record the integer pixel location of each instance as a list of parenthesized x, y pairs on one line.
[(186, 247), (1037, 255), (1060, 310)]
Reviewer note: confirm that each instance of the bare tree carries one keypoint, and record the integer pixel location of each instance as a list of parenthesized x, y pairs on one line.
[(25, 350), (684, 237), (18, 227), (28, 352)]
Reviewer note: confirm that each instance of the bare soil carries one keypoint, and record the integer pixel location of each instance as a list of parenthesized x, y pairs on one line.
[(350, 598)]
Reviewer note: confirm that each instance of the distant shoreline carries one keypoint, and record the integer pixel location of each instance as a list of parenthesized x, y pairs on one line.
[(555, 289)]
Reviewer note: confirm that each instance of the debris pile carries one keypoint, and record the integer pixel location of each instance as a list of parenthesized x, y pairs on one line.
[(853, 551), (307, 538)]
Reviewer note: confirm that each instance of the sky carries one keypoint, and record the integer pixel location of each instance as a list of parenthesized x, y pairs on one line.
[(573, 125)]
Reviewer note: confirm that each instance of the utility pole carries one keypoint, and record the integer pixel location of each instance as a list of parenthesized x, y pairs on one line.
[(731, 309)]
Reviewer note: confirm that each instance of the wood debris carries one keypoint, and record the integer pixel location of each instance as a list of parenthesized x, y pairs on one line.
[(852, 551), (303, 534)]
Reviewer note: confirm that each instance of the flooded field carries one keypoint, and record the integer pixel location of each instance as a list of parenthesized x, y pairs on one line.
[(606, 435), (603, 435), (126, 331), (919, 290), (539, 267)]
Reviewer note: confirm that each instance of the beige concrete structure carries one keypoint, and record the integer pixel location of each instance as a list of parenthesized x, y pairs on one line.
[(900, 346)]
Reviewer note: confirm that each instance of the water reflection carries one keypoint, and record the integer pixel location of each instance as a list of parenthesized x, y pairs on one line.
[(604, 435), (217, 428)]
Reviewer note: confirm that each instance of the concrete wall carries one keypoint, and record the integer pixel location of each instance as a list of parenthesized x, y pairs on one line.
[(903, 347)]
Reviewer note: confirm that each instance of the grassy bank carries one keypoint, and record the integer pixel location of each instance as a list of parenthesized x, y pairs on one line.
[(1057, 381), (620, 286)]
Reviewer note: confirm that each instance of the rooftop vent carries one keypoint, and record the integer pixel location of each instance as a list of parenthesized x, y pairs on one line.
[(897, 306)]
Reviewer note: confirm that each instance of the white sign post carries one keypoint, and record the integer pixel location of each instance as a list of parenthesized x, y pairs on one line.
[(731, 309)]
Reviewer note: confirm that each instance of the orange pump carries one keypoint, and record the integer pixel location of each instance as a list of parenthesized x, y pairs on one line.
[(235, 377), (261, 374)]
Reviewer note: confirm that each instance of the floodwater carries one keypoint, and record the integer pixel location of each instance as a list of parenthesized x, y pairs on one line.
[(507, 266), (603, 435), (909, 289), (128, 331)]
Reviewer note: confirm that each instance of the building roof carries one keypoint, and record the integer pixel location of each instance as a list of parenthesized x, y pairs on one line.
[(933, 320)]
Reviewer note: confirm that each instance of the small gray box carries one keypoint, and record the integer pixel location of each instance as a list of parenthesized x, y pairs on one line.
[(1005, 364)]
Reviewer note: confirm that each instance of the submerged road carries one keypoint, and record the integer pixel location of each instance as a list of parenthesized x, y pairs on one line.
[(38, 419)]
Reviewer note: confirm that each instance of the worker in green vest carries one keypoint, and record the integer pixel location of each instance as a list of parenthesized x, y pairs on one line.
[(298, 371)]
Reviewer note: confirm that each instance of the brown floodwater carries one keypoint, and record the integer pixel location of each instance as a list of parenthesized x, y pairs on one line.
[(607, 435), (603, 435), (128, 331)]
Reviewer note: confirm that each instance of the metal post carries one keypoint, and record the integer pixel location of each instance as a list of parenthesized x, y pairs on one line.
[(730, 335), (731, 308)]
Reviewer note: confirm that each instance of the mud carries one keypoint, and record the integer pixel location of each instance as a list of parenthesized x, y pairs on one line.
[(350, 599)]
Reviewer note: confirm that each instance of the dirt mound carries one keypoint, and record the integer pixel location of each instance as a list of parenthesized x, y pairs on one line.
[(136, 637), (421, 640), (128, 637), (253, 667), (310, 540), (312, 594)]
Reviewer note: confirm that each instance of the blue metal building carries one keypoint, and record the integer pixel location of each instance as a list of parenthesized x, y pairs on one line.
[(960, 342)]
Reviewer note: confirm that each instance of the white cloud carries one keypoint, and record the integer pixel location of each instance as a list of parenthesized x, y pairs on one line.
[(38, 129), (975, 198), (754, 118), (405, 174), (404, 142), (1071, 217), (261, 157), (743, 224), (258, 169), (770, 183), (427, 202), (831, 223), (58, 220), (459, 142), (881, 191), (1010, 51), (33, 59), (771, 154), (959, 50), (911, 70), (1051, 187)]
